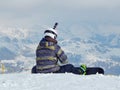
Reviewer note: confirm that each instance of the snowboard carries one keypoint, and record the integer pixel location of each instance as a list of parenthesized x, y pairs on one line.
[(89, 71), (93, 70)]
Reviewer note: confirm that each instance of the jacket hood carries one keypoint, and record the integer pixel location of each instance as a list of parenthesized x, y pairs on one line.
[(47, 41)]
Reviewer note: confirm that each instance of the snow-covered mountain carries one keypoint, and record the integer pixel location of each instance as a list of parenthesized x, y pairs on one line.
[(18, 45)]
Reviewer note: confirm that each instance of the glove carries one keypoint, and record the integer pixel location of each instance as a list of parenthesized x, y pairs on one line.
[(83, 69)]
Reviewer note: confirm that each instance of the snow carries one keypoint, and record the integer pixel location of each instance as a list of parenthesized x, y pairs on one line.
[(26, 81)]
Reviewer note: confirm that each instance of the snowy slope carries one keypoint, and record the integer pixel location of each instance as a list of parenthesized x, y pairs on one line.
[(25, 81)]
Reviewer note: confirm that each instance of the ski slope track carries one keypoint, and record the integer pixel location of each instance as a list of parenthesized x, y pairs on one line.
[(26, 81)]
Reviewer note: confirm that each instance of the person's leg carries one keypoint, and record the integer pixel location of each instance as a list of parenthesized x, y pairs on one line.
[(69, 68)]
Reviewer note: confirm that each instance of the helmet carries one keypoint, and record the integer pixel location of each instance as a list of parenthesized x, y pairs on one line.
[(51, 33)]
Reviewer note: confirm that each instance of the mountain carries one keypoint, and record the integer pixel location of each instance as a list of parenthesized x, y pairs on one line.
[(18, 45)]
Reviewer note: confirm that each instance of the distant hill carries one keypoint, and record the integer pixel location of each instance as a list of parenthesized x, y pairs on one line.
[(17, 49)]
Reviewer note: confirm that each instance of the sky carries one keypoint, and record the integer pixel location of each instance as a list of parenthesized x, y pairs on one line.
[(91, 15)]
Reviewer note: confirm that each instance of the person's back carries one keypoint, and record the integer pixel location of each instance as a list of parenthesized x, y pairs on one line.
[(47, 55)]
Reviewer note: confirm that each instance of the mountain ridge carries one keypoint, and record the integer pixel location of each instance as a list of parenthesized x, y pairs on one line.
[(97, 50)]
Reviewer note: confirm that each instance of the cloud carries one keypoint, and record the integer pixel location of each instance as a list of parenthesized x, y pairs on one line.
[(20, 4), (86, 31), (66, 4), (78, 4), (107, 29), (31, 12)]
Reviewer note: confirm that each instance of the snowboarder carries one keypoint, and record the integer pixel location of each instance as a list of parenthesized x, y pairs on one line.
[(49, 53)]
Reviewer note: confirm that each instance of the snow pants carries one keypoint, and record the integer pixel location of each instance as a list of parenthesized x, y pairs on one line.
[(69, 68)]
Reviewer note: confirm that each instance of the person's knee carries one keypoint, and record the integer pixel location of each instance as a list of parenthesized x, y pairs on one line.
[(69, 66), (34, 70)]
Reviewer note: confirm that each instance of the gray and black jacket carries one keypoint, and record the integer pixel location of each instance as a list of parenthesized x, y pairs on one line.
[(48, 54)]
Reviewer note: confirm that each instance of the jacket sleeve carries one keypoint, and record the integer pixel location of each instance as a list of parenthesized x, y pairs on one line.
[(61, 55)]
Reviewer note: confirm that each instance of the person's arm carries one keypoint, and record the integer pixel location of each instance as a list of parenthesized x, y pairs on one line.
[(61, 55)]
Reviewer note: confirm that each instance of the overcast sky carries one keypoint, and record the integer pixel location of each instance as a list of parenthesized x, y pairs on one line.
[(91, 14)]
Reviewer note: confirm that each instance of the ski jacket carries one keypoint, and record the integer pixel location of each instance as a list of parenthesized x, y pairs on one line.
[(48, 54)]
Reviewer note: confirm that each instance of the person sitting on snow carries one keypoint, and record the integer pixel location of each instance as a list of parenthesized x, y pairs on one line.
[(49, 53)]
